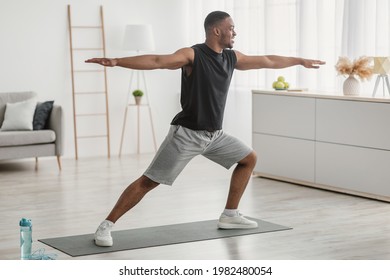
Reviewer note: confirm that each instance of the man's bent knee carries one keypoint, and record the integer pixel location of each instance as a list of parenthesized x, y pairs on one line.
[(249, 160)]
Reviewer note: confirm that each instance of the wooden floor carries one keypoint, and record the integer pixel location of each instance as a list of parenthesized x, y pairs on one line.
[(326, 225)]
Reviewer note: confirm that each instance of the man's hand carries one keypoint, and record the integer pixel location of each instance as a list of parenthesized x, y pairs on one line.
[(310, 63), (103, 61)]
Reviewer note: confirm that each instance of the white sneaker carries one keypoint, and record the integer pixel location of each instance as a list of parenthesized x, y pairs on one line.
[(237, 222), (103, 234)]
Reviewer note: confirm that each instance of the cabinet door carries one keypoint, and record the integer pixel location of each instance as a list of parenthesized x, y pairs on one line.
[(284, 115), (365, 124), (353, 168), (284, 157)]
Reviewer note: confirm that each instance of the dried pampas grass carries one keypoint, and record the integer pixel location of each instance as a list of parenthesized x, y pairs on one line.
[(361, 67)]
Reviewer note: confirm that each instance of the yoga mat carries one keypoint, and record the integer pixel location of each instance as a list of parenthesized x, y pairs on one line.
[(82, 245)]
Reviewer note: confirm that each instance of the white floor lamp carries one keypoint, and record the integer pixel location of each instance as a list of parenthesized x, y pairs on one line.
[(382, 68), (138, 38)]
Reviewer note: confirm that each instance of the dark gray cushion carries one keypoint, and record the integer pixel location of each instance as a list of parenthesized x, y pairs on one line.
[(42, 114)]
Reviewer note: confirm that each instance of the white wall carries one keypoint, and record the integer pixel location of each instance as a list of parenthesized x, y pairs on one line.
[(34, 53)]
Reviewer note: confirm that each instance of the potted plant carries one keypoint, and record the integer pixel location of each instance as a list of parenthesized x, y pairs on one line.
[(360, 67), (138, 95)]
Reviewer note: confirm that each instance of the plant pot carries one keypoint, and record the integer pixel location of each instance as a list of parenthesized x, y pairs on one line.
[(137, 100), (351, 86)]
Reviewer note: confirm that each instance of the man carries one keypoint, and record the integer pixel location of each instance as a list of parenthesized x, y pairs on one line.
[(207, 70)]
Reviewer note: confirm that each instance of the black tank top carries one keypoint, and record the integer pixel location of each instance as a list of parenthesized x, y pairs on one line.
[(204, 91)]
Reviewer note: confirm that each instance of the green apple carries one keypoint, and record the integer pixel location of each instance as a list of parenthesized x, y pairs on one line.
[(281, 79), (286, 85), (274, 84), (279, 85)]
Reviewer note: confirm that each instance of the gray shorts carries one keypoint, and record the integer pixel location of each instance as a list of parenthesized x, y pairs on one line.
[(183, 144)]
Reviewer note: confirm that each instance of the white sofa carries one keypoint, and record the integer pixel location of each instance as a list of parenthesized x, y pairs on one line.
[(31, 143)]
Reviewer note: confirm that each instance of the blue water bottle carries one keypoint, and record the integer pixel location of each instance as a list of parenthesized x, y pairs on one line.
[(25, 238)]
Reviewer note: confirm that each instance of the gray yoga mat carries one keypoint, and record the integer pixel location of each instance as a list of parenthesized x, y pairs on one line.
[(82, 245)]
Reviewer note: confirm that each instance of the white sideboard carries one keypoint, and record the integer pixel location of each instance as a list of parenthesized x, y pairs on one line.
[(327, 141)]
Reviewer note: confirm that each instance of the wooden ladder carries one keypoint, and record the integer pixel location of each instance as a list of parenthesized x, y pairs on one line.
[(92, 94)]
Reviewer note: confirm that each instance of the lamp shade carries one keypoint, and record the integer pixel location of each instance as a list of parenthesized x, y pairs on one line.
[(381, 65), (138, 38)]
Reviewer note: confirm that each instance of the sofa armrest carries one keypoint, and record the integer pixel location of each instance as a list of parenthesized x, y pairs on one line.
[(56, 124)]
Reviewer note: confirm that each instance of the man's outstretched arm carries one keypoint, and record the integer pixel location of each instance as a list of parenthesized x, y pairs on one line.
[(173, 61), (247, 62)]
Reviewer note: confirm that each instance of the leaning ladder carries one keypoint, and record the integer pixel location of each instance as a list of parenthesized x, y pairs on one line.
[(75, 93)]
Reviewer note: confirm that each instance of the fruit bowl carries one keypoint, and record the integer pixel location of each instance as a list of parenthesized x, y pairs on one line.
[(280, 84)]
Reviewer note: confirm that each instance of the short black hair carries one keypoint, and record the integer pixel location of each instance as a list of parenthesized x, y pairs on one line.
[(213, 18)]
